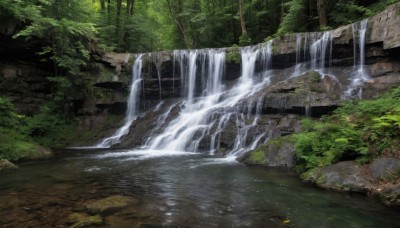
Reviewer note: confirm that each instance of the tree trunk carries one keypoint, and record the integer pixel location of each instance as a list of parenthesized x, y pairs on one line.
[(129, 7), (102, 5), (119, 4), (179, 23), (321, 13), (242, 21)]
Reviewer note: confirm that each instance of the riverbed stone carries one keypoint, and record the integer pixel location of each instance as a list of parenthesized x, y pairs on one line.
[(79, 220), (7, 166), (110, 204), (385, 167)]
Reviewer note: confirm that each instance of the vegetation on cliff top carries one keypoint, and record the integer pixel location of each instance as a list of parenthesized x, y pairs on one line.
[(359, 130)]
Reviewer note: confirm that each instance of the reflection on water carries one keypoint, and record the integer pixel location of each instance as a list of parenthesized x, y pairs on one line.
[(193, 190)]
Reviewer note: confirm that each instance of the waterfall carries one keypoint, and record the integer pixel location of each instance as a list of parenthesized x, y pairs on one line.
[(132, 109), (298, 67), (158, 68), (360, 74), (318, 51), (208, 107)]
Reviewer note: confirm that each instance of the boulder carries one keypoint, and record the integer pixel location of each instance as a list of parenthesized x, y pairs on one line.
[(110, 204), (343, 176), (390, 196), (39, 153), (78, 220), (6, 166), (384, 167), (275, 153)]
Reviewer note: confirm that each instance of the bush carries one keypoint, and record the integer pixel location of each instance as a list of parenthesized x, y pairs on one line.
[(14, 143), (359, 130)]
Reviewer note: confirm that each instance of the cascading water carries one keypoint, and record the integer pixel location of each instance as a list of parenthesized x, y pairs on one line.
[(216, 108), (298, 67), (360, 74), (132, 109), (158, 68), (318, 50)]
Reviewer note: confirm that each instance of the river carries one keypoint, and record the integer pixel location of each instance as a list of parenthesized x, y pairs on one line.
[(177, 190)]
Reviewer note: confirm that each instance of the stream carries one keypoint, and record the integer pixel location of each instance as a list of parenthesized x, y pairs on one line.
[(177, 189)]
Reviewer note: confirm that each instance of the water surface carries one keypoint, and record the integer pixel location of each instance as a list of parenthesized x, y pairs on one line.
[(177, 190)]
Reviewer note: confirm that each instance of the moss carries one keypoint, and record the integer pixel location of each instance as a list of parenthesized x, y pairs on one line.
[(280, 140), (258, 156)]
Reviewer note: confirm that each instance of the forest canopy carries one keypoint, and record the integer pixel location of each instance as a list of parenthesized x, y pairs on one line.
[(152, 25)]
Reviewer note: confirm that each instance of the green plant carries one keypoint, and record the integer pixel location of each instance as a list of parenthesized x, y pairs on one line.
[(359, 130)]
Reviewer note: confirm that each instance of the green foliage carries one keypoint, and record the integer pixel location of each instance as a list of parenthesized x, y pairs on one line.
[(14, 144), (233, 54), (257, 156), (244, 40), (20, 135), (358, 130), (50, 129), (292, 20)]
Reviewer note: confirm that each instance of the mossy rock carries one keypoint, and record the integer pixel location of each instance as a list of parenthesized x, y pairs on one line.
[(7, 166), (79, 220), (39, 153), (110, 204), (275, 153)]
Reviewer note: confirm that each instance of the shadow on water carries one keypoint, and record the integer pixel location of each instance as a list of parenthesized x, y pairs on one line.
[(176, 189)]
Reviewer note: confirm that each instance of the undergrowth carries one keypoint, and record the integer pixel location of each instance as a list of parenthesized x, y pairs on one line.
[(20, 136), (359, 130)]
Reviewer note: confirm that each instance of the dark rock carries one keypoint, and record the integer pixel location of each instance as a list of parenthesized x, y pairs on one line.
[(384, 167), (6, 166)]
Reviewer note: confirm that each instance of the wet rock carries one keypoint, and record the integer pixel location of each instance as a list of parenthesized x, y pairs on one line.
[(6, 166), (391, 196), (309, 94), (383, 167), (275, 153), (343, 176), (78, 220), (110, 204)]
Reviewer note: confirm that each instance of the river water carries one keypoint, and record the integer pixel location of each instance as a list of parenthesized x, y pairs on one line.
[(177, 190)]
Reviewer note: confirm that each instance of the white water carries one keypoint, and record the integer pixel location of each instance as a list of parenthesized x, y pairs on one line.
[(299, 67), (132, 109), (209, 114), (360, 74), (318, 50)]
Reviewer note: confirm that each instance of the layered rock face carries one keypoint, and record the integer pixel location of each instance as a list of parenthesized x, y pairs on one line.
[(335, 60)]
